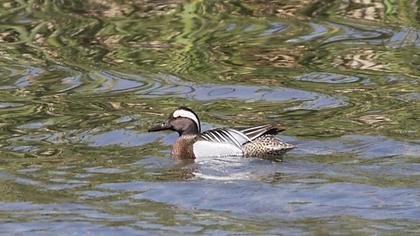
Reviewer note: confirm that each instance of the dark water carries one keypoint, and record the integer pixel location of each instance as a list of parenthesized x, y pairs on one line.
[(81, 81)]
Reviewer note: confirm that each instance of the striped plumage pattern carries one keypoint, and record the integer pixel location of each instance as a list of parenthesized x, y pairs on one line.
[(225, 135), (237, 137), (255, 132), (255, 141)]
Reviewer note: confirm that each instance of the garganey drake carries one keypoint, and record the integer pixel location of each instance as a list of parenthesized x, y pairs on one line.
[(256, 141)]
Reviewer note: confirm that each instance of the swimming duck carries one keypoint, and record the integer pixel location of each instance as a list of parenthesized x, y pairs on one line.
[(258, 141)]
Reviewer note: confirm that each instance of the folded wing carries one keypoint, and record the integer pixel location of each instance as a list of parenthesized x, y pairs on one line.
[(226, 135), (257, 131)]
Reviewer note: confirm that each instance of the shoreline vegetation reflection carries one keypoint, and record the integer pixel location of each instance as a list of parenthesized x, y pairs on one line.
[(81, 82)]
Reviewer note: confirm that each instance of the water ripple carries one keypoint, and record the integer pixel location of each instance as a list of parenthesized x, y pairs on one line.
[(298, 201), (352, 34), (173, 86), (330, 78), (360, 145), (81, 80), (122, 137), (107, 82), (318, 30)]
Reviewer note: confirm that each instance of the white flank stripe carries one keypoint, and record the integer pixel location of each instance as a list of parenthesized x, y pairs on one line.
[(212, 149)]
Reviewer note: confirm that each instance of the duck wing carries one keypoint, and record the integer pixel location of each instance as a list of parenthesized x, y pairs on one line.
[(257, 131), (225, 135)]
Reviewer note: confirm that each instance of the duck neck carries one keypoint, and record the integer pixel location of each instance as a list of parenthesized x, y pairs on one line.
[(183, 148)]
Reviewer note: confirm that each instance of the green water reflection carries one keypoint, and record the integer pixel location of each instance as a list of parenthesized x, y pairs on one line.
[(81, 81)]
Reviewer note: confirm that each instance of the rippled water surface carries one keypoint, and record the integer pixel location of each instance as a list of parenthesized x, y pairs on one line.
[(82, 81)]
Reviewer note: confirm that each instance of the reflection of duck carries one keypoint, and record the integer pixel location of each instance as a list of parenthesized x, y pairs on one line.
[(257, 141)]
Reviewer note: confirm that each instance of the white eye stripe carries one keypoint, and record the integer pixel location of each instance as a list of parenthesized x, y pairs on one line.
[(187, 114)]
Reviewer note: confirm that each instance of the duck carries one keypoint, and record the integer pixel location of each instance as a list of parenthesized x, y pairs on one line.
[(258, 141)]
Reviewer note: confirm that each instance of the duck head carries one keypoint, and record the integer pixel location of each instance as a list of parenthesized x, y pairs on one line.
[(183, 120)]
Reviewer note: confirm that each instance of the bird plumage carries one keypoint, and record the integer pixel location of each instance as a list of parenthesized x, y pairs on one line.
[(258, 141)]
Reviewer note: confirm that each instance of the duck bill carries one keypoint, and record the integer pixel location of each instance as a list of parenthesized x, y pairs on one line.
[(163, 126)]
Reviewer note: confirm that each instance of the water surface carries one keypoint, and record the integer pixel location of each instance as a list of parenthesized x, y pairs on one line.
[(82, 81)]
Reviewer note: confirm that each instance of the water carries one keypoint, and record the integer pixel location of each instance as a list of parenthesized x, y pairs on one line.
[(82, 81)]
